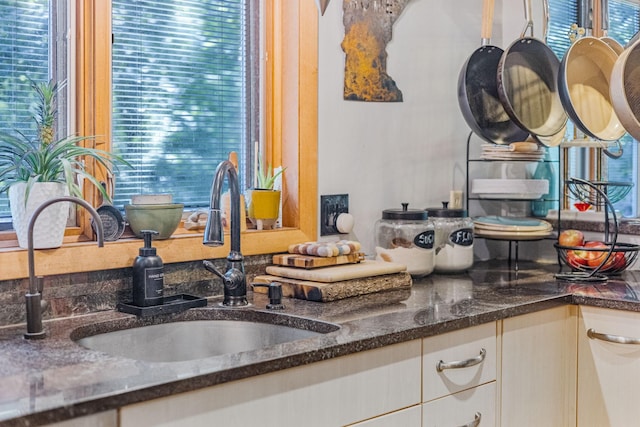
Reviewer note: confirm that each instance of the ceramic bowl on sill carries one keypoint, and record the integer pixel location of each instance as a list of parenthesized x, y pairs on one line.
[(163, 218)]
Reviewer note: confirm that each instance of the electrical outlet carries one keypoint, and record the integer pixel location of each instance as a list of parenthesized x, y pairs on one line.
[(330, 208)]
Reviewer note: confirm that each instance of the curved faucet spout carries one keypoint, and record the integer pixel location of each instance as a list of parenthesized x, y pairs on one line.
[(213, 232), (34, 296), (234, 280)]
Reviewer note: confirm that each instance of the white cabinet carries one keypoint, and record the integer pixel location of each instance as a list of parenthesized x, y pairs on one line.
[(608, 372), (538, 373), (403, 418), (459, 374), (334, 392), (102, 419)]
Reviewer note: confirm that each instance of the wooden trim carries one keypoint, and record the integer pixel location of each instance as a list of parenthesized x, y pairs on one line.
[(293, 119), (307, 114)]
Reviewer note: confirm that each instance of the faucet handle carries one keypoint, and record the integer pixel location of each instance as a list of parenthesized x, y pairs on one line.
[(275, 294)]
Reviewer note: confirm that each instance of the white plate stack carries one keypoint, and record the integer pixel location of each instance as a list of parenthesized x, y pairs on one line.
[(514, 151), (510, 228)]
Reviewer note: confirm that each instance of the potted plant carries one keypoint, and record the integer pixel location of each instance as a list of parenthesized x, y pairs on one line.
[(38, 168), (264, 200)]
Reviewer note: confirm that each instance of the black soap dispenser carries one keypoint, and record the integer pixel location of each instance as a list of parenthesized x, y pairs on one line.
[(148, 274)]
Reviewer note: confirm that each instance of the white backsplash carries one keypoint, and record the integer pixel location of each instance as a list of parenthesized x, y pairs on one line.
[(383, 154)]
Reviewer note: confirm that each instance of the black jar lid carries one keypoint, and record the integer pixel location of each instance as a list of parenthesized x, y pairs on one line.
[(445, 212), (405, 213)]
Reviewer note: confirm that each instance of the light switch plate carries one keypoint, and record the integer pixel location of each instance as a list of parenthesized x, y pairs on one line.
[(331, 206)]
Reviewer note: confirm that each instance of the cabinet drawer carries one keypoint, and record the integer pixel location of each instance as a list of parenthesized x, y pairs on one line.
[(476, 345), (410, 417), (476, 406)]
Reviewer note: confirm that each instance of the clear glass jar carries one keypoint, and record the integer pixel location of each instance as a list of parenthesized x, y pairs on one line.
[(453, 239), (406, 236)]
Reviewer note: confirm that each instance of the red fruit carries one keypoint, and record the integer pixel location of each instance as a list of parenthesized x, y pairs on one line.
[(571, 238), (575, 260), (617, 262), (595, 258)]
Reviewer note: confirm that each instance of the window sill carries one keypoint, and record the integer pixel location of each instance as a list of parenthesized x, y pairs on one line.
[(75, 256)]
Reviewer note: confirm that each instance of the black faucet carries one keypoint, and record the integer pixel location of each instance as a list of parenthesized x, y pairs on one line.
[(34, 295), (234, 280)]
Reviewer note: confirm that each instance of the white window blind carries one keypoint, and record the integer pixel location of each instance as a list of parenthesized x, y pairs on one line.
[(182, 84), (562, 14), (24, 53)]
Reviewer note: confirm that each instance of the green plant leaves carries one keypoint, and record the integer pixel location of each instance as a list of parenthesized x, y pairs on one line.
[(62, 160)]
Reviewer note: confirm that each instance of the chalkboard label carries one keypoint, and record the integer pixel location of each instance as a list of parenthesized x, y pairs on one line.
[(425, 239), (462, 237)]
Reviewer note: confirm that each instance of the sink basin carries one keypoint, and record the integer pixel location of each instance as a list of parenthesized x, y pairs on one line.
[(198, 338)]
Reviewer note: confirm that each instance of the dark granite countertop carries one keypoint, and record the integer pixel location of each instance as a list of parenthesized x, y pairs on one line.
[(54, 379)]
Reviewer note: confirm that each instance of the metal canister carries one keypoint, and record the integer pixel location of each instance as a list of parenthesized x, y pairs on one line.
[(453, 239), (406, 236)]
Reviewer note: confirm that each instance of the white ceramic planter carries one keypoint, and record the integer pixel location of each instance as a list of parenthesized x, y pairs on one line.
[(48, 231)]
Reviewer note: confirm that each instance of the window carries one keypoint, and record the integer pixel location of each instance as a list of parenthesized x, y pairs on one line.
[(184, 94), (624, 22), (290, 110), (29, 43), (185, 79)]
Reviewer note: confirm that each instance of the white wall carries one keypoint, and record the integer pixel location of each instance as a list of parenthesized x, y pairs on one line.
[(383, 154)]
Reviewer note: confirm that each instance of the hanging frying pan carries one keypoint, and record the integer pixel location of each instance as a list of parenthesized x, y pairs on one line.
[(527, 82), (478, 92), (625, 88), (584, 80), (553, 140)]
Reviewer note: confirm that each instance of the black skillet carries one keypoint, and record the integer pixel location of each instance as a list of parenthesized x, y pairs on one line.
[(478, 92)]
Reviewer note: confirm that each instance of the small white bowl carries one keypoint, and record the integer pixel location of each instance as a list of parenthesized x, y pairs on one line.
[(151, 199)]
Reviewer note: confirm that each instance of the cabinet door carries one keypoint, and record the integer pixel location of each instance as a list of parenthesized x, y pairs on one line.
[(608, 372), (103, 419), (473, 407), (333, 392), (410, 417), (458, 360), (538, 374)]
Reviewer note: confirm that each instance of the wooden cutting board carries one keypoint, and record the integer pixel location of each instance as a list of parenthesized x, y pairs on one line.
[(310, 261), (326, 292), (366, 268)]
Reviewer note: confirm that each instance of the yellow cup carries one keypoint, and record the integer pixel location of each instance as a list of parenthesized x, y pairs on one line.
[(264, 204)]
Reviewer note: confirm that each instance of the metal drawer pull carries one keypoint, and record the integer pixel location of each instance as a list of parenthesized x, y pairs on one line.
[(619, 339), (475, 422), (441, 366)]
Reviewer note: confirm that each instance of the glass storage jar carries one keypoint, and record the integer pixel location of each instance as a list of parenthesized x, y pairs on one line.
[(406, 236), (453, 239)]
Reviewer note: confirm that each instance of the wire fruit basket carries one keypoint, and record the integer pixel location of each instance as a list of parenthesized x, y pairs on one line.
[(590, 261), (603, 258)]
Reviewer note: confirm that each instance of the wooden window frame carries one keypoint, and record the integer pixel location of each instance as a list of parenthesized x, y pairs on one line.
[(291, 135)]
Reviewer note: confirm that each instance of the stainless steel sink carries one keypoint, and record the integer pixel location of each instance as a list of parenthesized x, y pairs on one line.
[(200, 338)]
